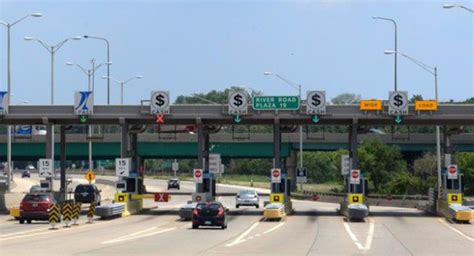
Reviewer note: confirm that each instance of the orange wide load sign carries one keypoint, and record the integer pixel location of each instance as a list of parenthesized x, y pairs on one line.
[(426, 105), (371, 105)]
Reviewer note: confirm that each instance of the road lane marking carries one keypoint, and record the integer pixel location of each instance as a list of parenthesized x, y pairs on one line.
[(239, 238), (368, 240), (21, 232), (274, 228), (443, 221), (137, 235)]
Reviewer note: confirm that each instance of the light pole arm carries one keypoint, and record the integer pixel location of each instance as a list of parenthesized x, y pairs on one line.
[(291, 83), (4, 23), (83, 69), (60, 44), (26, 16), (130, 79), (47, 47), (424, 66), (467, 8)]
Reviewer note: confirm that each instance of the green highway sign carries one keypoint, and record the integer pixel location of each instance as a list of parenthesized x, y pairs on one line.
[(276, 103)]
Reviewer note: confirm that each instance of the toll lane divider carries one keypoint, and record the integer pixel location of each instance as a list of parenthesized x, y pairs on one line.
[(140, 234)]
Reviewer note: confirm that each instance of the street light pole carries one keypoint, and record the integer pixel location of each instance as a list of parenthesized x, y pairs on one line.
[(396, 49), (9, 82), (296, 86), (108, 60), (449, 6), (434, 72), (122, 83)]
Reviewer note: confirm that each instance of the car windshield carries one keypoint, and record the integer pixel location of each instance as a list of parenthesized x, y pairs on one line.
[(35, 197), (246, 192), (80, 189)]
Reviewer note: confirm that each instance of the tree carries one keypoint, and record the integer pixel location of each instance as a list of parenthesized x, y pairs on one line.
[(346, 99), (465, 161), (380, 162), (416, 97), (219, 97)]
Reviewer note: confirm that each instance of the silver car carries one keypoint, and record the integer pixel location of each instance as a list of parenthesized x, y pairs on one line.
[(247, 197)]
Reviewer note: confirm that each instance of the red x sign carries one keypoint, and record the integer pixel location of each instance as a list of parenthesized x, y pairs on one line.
[(161, 197), (160, 119)]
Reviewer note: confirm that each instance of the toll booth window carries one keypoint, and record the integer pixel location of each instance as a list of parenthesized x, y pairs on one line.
[(453, 184), (288, 186), (206, 185), (130, 185), (213, 187)]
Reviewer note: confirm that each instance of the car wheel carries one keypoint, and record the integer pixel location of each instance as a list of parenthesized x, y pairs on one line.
[(258, 206), (195, 226), (22, 221), (28, 221), (223, 227), (178, 188), (237, 206)]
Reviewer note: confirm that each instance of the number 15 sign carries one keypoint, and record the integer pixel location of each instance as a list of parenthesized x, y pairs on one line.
[(122, 167)]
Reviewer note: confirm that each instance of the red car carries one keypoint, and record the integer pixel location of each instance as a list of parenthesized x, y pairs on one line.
[(36, 206)]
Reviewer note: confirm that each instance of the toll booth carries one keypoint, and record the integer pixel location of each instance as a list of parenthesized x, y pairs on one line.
[(281, 192), (452, 196), (127, 190), (205, 191), (355, 206)]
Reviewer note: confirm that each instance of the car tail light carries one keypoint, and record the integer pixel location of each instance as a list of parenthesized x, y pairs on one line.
[(195, 212), (21, 206), (220, 213)]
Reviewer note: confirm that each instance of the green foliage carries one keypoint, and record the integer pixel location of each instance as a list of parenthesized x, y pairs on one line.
[(219, 97), (465, 161), (250, 166), (416, 97), (346, 99), (380, 162), (323, 167)]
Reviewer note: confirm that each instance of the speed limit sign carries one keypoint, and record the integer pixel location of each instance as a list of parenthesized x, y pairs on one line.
[(122, 167)]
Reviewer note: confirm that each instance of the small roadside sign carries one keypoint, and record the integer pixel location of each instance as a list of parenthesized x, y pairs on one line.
[(45, 168), (345, 164), (452, 172), (162, 197), (355, 177), (426, 105), (276, 175), (371, 105), (301, 175), (90, 176), (122, 167), (160, 102), (175, 166), (198, 173), (276, 198), (214, 163)]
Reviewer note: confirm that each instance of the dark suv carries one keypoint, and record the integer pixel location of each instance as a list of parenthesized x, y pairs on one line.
[(210, 214), (36, 206), (173, 183), (87, 193)]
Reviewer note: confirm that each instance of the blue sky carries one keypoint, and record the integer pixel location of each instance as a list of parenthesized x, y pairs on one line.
[(196, 46)]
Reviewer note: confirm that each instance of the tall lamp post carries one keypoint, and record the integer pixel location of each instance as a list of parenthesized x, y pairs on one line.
[(90, 78), (449, 6), (298, 87), (9, 83), (396, 49), (434, 72), (108, 61), (122, 83), (52, 49)]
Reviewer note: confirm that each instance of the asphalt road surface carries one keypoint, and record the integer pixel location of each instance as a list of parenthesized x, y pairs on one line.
[(314, 229)]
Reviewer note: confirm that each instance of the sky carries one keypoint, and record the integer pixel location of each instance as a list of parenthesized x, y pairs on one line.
[(187, 47)]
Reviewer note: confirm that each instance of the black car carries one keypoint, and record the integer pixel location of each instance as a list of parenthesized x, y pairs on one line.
[(173, 183), (26, 173), (210, 214), (87, 193)]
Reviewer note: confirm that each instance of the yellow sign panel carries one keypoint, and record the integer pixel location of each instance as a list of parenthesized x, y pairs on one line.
[(371, 105), (90, 176), (121, 197), (276, 198), (355, 198), (426, 105), (455, 198)]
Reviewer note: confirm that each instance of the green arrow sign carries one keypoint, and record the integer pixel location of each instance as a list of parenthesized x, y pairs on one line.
[(276, 103), (83, 119), (398, 119), (315, 119), (237, 119)]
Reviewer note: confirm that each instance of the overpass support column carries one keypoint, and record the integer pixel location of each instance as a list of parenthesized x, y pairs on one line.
[(125, 141), (353, 144), (448, 148), (200, 150), (276, 144), (49, 134), (206, 150), (290, 166), (63, 189), (134, 151)]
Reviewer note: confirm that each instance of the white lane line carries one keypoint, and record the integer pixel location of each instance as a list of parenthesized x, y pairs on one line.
[(126, 238), (22, 232), (368, 240), (443, 221), (134, 234), (274, 228), (239, 239)]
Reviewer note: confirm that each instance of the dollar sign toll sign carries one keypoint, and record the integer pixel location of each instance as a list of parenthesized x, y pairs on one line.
[(238, 100), (398, 100), (316, 100), (159, 100)]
